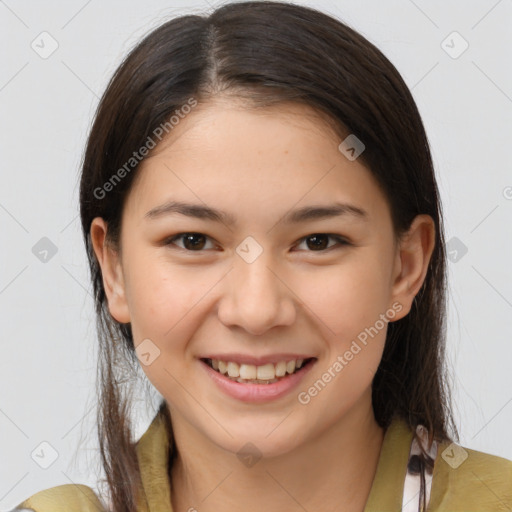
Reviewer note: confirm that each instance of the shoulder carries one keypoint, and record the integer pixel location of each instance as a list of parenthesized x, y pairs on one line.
[(63, 498), (471, 478)]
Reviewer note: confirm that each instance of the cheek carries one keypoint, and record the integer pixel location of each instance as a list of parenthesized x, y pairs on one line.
[(350, 308), (344, 298), (160, 294), (164, 302)]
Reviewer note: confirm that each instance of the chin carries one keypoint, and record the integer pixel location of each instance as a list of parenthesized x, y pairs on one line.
[(259, 442)]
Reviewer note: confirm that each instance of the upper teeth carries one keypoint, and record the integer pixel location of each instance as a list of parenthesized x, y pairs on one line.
[(249, 371)]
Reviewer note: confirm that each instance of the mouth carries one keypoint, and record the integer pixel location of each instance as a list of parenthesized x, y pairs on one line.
[(263, 374)]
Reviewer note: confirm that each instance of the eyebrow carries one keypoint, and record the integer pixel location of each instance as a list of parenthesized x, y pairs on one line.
[(304, 214)]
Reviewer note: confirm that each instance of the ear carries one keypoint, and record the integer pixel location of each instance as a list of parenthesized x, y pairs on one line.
[(411, 262), (111, 271)]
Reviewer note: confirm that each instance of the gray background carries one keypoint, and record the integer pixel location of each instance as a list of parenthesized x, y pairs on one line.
[(47, 326)]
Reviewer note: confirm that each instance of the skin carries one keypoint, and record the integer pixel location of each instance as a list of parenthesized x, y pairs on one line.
[(257, 166)]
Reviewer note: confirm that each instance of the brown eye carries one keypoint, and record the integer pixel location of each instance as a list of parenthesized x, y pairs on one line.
[(318, 242), (193, 242)]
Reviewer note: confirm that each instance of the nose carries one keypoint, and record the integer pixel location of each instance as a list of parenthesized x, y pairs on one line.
[(256, 297)]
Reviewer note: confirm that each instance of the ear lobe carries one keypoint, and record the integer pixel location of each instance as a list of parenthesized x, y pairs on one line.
[(412, 261), (111, 271)]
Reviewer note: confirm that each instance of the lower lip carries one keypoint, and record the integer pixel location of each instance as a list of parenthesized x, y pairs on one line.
[(257, 392)]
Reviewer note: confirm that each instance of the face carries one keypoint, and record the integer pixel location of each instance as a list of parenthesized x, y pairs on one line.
[(261, 284)]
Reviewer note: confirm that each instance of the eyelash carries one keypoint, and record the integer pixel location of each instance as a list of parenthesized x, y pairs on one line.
[(341, 241)]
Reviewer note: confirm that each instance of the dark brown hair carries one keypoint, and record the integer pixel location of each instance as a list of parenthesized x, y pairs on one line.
[(268, 53)]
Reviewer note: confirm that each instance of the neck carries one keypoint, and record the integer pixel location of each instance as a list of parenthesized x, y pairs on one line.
[(332, 472)]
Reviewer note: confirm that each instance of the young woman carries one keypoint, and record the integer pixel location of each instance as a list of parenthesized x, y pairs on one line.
[(265, 237)]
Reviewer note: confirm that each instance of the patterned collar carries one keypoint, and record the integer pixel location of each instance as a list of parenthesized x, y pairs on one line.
[(418, 479)]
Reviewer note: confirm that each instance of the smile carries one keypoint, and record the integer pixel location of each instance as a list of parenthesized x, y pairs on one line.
[(271, 380), (253, 374)]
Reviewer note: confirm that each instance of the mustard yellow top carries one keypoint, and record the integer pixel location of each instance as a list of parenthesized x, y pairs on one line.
[(463, 480)]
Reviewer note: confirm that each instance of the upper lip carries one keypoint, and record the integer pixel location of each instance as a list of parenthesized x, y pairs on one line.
[(257, 361)]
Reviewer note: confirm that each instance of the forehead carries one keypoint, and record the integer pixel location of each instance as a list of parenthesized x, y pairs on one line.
[(242, 158)]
